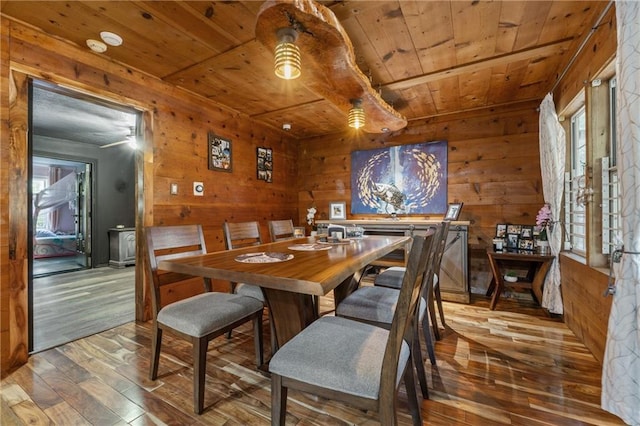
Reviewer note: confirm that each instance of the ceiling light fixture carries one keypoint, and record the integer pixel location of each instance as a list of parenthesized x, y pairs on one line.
[(111, 39), (356, 114), (287, 62)]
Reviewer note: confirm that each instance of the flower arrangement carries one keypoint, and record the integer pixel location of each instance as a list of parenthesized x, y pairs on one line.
[(544, 219), (311, 214)]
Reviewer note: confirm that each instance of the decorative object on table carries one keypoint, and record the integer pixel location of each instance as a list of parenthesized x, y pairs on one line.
[(338, 210), (453, 211), (311, 219), (298, 231), (498, 244), (265, 164), (264, 257), (544, 225), (501, 230), (405, 179), (219, 153), (512, 240), (525, 241)]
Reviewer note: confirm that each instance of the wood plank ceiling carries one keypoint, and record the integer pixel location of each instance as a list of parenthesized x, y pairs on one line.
[(426, 57)]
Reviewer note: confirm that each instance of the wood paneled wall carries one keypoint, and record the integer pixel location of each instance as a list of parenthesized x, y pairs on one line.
[(494, 168), (175, 151)]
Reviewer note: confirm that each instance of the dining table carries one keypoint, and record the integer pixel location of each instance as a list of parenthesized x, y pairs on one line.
[(292, 273)]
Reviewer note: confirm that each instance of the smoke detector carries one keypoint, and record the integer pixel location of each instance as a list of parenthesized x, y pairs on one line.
[(96, 46), (286, 126)]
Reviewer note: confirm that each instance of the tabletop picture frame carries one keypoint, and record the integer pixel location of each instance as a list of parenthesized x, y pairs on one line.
[(337, 210), (453, 211), (220, 153)]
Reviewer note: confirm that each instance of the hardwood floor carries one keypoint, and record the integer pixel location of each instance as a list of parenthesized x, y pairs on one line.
[(78, 304), (512, 366)]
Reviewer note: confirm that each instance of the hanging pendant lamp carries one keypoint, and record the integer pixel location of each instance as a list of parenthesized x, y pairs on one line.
[(287, 61), (356, 114)]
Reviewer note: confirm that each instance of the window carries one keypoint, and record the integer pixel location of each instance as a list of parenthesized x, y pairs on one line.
[(575, 183), (611, 221)]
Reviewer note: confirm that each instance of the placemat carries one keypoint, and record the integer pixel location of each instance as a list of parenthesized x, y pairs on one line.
[(264, 257), (309, 247)]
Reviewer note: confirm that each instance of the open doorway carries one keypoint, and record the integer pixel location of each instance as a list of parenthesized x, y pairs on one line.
[(82, 181)]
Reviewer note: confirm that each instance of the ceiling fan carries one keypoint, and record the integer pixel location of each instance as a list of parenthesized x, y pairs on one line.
[(131, 140)]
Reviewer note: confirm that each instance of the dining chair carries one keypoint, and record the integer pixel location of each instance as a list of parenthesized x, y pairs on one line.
[(247, 234), (281, 230), (360, 364), (376, 305), (197, 318), (392, 277)]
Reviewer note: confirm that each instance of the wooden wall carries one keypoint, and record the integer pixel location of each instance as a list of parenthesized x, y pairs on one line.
[(494, 168), (174, 151)]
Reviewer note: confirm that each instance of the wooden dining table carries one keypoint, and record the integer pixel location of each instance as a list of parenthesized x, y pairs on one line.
[(290, 286)]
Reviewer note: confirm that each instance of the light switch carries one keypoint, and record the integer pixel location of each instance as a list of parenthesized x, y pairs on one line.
[(198, 189), (174, 189)]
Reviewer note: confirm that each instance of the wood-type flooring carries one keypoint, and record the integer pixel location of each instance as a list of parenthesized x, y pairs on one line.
[(511, 366)]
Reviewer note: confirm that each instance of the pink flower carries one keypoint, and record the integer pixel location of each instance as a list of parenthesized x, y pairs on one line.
[(544, 217)]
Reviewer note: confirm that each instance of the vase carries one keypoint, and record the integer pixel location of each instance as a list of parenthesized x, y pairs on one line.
[(543, 247)]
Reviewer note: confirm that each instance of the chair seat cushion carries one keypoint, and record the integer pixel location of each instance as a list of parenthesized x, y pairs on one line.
[(390, 277), (373, 304), (338, 354), (204, 313), (250, 291)]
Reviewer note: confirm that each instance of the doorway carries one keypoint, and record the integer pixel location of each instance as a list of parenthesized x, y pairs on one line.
[(82, 180)]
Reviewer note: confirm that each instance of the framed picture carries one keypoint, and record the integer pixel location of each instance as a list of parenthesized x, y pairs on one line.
[(298, 231), (514, 229), (453, 212), (526, 232), (512, 241), (264, 163), (525, 244), (338, 210), (501, 230), (219, 153)]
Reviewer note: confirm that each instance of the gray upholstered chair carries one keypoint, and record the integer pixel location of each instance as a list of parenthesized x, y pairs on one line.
[(354, 362), (376, 305), (392, 277), (281, 230), (197, 318), (246, 234)]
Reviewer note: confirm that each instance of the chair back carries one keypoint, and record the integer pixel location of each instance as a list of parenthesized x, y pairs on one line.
[(170, 242), (281, 229), (408, 299), (441, 246), (241, 234)]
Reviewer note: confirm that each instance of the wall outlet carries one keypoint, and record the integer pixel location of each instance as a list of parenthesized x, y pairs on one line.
[(198, 189), (174, 189)]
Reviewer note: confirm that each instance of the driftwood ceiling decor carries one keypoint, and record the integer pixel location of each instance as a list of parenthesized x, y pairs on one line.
[(329, 66)]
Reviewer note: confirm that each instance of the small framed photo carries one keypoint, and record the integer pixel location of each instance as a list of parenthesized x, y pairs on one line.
[(453, 212), (264, 157), (514, 229), (525, 244), (526, 232), (298, 231), (219, 153), (501, 230), (512, 241), (338, 210)]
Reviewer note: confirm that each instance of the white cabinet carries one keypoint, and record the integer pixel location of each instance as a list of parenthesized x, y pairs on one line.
[(122, 247), (454, 269)]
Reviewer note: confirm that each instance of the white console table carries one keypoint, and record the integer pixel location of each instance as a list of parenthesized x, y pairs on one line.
[(454, 270), (122, 247)]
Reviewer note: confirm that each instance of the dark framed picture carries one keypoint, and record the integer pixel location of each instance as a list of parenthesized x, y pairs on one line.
[(501, 230), (453, 211), (338, 210), (526, 232), (219, 153), (514, 229), (512, 241), (525, 244), (264, 163)]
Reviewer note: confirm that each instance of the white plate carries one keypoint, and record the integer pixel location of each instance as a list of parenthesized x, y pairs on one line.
[(264, 257)]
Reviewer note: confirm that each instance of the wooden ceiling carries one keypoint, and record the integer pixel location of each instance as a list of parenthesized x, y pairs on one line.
[(426, 58)]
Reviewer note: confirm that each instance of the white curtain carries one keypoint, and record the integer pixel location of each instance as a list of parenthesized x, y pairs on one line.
[(621, 367), (552, 157)]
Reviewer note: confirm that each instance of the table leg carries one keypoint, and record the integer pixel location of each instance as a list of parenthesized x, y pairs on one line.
[(290, 313), (499, 283)]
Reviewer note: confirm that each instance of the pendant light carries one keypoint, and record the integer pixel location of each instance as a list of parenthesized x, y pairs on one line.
[(356, 114), (287, 62)]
